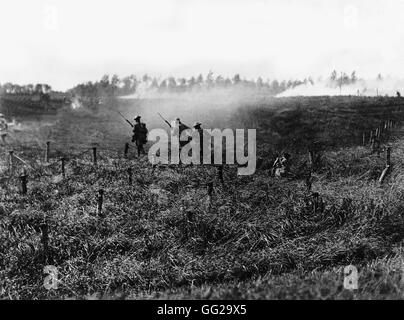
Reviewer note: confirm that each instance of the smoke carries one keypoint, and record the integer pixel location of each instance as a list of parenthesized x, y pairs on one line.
[(76, 104), (214, 107), (370, 87)]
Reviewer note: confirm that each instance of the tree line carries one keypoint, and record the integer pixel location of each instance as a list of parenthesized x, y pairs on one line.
[(110, 86), (115, 86), (11, 88)]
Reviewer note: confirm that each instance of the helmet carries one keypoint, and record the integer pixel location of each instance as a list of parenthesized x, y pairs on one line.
[(137, 118), (197, 124)]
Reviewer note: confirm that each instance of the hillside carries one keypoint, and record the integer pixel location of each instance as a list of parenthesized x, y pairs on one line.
[(167, 235), (32, 104)]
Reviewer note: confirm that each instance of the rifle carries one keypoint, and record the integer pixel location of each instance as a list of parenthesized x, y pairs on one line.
[(130, 123), (164, 119)]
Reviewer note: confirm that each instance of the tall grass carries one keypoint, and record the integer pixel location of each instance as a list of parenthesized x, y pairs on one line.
[(260, 237)]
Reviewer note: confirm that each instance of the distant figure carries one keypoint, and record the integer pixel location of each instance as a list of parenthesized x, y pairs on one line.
[(281, 166), (139, 135), (175, 127), (3, 128), (398, 94)]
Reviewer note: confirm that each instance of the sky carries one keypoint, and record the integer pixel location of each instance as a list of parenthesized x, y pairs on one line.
[(66, 42)]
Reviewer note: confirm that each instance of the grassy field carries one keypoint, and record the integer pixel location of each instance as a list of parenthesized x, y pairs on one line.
[(161, 237)]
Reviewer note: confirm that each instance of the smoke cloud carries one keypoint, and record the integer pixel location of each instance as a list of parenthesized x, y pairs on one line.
[(370, 87), (214, 108)]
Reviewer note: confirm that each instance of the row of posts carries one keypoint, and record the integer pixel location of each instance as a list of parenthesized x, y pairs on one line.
[(24, 175), (375, 144), (376, 135), (101, 192), (63, 160), (47, 152)]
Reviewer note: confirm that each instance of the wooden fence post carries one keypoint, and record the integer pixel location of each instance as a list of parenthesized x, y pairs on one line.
[(47, 151), (95, 156), (24, 180), (100, 199), (126, 150), (364, 139), (11, 161), (384, 173), (371, 136), (153, 163), (308, 182), (63, 167), (45, 240), (190, 215), (311, 159), (373, 144), (388, 165), (220, 174), (388, 156), (130, 180)]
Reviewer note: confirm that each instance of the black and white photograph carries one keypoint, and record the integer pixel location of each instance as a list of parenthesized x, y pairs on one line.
[(196, 150)]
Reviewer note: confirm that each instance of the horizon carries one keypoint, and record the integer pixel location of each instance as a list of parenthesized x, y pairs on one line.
[(66, 43)]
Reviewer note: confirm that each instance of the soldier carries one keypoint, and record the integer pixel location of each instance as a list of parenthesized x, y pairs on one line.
[(177, 128), (139, 135), (174, 126), (197, 127), (281, 166), (182, 126)]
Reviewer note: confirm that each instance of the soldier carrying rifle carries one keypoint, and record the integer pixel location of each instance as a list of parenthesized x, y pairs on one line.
[(177, 127), (139, 135)]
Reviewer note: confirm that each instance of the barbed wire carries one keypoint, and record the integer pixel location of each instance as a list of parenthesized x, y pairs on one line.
[(68, 157)]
